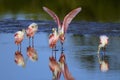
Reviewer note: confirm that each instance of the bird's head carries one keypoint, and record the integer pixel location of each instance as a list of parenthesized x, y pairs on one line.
[(104, 39), (33, 26), (54, 29)]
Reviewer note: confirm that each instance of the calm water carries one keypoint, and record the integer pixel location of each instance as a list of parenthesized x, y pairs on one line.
[(80, 52)]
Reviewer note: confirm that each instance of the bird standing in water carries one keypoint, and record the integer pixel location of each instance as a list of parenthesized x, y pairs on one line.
[(31, 30), (62, 28), (53, 38), (103, 42), (18, 37)]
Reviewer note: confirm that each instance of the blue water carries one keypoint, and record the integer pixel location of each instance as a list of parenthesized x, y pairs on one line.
[(80, 52)]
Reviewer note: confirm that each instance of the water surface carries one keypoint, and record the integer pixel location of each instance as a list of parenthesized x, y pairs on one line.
[(80, 49)]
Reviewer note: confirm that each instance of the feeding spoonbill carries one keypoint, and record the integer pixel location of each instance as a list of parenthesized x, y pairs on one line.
[(62, 28), (103, 42), (31, 30)]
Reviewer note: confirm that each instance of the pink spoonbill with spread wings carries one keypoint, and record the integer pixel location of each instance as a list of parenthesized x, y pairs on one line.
[(62, 28)]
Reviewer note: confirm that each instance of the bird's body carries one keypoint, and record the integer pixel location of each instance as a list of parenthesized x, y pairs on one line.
[(103, 42), (19, 36), (53, 38), (31, 30)]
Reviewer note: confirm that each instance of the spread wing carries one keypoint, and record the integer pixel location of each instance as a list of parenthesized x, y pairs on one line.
[(69, 17), (53, 15)]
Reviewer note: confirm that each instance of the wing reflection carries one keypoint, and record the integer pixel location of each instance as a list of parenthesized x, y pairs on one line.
[(64, 67), (104, 65), (55, 68), (59, 67), (32, 54), (19, 59)]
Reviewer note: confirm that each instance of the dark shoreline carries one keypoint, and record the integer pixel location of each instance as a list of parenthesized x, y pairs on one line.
[(76, 27)]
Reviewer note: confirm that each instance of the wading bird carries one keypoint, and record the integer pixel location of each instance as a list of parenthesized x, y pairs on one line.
[(18, 37), (53, 38), (62, 28), (31, 30), (103, 42)]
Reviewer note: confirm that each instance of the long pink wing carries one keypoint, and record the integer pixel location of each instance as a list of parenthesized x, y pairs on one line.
[(69, 17), (53, 15)]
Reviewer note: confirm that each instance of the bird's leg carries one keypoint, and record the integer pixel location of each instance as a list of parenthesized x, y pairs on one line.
[(62, 46), (29, 40), (32, 41), (104, 49), (20, 47), (55, 55), (52, 51), (55, 52)]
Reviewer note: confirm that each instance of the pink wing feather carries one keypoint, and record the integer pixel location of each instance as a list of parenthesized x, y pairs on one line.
[(68, 18), (53, 15)]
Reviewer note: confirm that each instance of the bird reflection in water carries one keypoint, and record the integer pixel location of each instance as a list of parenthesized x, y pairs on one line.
[(32, 54), (104, 65), (59, 67), (64, 67), (19, 59), (55, 68)]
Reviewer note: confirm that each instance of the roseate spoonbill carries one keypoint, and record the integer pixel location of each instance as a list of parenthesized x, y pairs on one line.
[(32, 54), (64, 67), (103, 42), (19, 60), (55, 68), (18, 37), (62, 28), (31, 30), (53, 38)]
